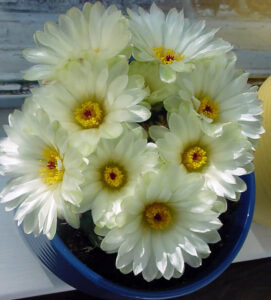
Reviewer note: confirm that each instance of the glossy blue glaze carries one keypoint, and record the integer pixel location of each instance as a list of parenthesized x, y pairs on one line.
[(57, 257)]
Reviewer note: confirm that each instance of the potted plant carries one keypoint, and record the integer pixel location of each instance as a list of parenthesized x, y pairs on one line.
[(141, 160)]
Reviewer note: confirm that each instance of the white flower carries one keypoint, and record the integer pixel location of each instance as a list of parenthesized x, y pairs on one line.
[(114, 168), (95, 32), (165, 224), (220, 94), (93, 101), (157, 89), (172, 41), (45, 172), (220, 160)]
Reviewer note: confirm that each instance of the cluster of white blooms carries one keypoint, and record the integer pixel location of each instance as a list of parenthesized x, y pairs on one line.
[(77, 145)]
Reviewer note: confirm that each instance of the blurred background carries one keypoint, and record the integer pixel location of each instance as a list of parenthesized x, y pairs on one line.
[(244, 23)]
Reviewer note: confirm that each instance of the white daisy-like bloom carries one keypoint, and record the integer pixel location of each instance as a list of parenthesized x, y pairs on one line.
[(95, 32), (168, 222), (93, 101), (172, 41), (156, 88), (219, 160), (221, 96), (113, 171), (45, 172)]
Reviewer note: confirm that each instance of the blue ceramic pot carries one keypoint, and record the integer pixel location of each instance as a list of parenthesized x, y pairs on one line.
[(58, 258)]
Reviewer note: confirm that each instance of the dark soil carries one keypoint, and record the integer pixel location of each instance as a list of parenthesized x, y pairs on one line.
[(104, 264)]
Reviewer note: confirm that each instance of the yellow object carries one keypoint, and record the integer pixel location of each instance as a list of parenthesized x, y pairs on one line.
[(52, 171), (158, 216), (209, 108), (114, 177), (167, 56), (89, 114), (262, 212), (194, 158)]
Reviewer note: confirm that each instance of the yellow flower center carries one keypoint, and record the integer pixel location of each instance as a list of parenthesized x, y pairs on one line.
[(209, 108), (194, 158), (167, 56), (114, 176), (89, 114), (53, 170), (157, 216)]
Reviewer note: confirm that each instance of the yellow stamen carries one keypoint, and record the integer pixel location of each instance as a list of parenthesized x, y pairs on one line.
[(114, 176), (53, 170), (209, 108), (167, 56), (89, 114), (194, 158), (158, 216)]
